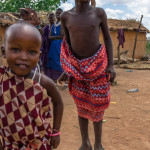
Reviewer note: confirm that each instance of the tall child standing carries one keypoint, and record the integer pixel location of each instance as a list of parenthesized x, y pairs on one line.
[(26, 95), (89, 66)]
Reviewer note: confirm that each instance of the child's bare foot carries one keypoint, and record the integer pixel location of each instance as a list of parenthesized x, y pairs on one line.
[(98, 147), (86, 146)]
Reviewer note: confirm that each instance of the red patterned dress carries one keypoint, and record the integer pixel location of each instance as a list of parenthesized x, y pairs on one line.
[(24, 113), (87, 82)]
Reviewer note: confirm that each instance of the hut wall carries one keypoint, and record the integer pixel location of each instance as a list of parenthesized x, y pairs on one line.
[(129, 43), (2, 33)]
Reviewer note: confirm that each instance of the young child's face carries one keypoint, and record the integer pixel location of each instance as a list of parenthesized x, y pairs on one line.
[(22, 51), (58, 12), (51, 19)]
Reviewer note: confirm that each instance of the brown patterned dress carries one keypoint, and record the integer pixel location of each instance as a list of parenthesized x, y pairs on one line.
[(24, 113)]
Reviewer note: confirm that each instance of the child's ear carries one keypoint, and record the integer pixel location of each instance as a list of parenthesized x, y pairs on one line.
[(3, 51)]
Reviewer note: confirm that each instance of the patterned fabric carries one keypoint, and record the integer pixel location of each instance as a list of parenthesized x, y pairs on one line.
[(24, 113), (87, 82)]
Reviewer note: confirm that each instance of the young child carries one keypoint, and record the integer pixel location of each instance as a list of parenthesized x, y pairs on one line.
[(46, 43), (26, 95), (56, 35), (89, 66)]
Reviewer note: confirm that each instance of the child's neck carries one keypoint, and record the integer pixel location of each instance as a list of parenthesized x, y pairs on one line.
[(29, 75), (82, 6), (58, 20), (51, 24)]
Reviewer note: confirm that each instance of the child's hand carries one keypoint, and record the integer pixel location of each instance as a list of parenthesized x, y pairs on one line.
[(110, 74), (55, 140)]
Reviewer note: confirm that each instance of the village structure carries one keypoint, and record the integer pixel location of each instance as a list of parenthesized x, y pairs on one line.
[(126, 123), (129, 27)]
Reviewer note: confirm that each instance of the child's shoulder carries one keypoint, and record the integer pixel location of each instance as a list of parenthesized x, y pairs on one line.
[(100, 11), (49, 86), (72, 12), (46, 82), (97, 10), (67, 13)]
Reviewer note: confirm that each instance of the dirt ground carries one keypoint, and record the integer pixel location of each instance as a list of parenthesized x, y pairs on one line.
[(127, 125)]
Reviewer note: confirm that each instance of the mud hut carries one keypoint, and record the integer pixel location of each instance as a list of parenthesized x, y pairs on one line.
[(130, 28), (7, 19)]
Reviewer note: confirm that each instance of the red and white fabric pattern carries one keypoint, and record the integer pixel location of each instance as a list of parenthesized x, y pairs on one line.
[(87, 81), (24, 113)]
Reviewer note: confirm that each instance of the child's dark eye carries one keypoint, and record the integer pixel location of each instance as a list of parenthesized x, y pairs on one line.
[(15, 50), (32, 52)]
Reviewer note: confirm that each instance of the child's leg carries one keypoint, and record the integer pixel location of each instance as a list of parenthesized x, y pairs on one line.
[(84, 134), (98, 135)]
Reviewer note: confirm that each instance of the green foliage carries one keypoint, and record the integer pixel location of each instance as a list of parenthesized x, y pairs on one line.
[(148, 48), (37, 5)]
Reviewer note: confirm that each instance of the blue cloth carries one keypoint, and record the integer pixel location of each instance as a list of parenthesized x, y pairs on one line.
[(54, 51)]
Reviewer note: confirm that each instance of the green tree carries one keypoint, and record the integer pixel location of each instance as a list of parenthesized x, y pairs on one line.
[(37, 5)]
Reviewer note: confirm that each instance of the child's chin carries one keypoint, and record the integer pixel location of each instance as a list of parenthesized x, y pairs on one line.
[(21, 74)]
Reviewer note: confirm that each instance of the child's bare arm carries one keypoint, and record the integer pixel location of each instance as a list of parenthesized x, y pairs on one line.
[(106, 36), (63, 19), (53, 92), (108, 44), (56, 37)]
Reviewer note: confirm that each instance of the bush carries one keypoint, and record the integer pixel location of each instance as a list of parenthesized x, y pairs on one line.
[(148, 48)]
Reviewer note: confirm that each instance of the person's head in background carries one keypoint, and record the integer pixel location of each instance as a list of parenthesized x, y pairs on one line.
[(25, 14), (51, 18), (58, 13), (22, 48)]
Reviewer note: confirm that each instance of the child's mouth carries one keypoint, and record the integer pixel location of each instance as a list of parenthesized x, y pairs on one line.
[(22, 66)]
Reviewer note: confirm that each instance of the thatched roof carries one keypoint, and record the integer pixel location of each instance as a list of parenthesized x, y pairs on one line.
[(131, 24), (7, 19)]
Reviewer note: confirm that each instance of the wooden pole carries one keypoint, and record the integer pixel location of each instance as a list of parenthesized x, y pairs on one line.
[(133, 55), (118, 63)]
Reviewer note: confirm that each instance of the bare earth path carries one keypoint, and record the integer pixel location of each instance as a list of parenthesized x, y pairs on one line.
[(127, 125)]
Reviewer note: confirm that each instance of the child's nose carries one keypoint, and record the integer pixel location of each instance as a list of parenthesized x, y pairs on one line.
[(24, 56)]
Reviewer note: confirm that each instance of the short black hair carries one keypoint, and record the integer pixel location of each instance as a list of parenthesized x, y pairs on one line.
[(59, 9), (20, 24), (51, 14)]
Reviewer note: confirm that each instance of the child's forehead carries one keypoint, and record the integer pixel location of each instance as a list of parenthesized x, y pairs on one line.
[(23, 28), (23, 32)]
